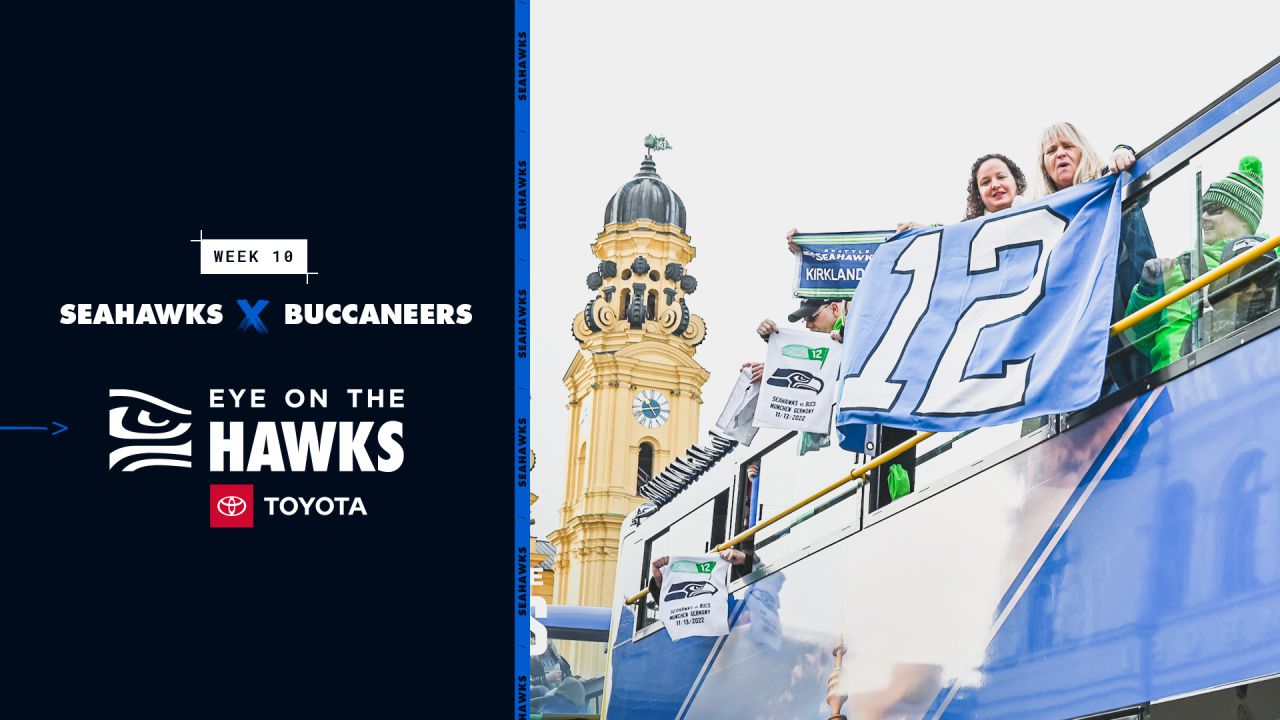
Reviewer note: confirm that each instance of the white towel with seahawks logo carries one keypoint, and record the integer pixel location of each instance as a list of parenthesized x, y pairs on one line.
[(799, 385), (694, 597)]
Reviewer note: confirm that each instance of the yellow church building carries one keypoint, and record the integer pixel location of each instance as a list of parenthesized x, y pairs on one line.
[(634, 387)]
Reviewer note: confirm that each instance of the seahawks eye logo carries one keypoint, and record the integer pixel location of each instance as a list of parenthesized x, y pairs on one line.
[(795, 379), (154, 425), (692, 588)]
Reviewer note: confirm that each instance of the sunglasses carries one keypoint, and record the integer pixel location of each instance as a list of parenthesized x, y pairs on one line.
[(1212, 208), (817, 312)]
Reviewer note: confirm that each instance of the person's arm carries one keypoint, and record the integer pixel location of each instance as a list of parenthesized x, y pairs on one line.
[(655, 577), (1149, 289), (733, 557), (791, 242)]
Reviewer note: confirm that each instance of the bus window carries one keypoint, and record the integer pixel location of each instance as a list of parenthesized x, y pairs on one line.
[(785, 478), (644, 465), (694, 534), (1255, 699)]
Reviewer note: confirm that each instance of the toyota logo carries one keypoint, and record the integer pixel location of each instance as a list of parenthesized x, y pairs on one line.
[(232, 506)]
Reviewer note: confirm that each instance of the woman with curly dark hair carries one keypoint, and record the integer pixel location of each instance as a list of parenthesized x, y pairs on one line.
[(995, 183)]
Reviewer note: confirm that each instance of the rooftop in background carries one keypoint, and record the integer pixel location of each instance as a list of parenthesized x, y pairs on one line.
[(549, 550)]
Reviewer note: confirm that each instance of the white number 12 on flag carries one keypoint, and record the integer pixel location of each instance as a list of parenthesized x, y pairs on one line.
[(949, 392)]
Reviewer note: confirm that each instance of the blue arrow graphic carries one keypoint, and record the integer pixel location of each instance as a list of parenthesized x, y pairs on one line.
[(61, 428)]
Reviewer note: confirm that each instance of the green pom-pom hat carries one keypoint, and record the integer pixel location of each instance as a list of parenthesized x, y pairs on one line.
[(1241, 192)]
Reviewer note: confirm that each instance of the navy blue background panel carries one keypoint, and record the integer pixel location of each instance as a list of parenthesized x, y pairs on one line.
[(382, 139)]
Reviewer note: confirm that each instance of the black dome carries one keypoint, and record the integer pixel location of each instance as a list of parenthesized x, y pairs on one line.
[(645, 196)]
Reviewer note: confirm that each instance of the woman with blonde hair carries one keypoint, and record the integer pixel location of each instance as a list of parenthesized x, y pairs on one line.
[(1067, 159)]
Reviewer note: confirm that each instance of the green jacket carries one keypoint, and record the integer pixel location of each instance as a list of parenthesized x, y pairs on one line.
[(1161, 335)]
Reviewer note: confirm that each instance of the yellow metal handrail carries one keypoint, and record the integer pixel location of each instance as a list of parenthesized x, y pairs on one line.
[(876, 462), (1226, 268)]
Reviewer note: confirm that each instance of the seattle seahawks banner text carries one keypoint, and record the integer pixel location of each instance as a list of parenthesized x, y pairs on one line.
[(986, 322), (799, 384), (694, 600), (832, 264)]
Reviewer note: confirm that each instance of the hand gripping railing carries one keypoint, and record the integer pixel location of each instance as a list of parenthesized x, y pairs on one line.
[(1222, 270)]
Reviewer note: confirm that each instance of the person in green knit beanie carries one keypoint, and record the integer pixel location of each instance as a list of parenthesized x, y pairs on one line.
[(1231, 211)]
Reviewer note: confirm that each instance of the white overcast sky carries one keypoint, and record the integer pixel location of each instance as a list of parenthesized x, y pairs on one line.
[(823, 116)]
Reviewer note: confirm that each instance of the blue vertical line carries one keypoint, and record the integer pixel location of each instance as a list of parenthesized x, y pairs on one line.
[(521, 306)]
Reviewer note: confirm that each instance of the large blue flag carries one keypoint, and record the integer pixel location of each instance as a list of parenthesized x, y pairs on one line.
[(986, 322)]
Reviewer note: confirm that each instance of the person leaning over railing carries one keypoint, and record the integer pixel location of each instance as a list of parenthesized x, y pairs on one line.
[(824, 315), (1067, 159), (732, 556), (1231, 211)]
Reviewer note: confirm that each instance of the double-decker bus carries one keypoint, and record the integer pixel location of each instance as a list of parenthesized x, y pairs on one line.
[(1122, 561)]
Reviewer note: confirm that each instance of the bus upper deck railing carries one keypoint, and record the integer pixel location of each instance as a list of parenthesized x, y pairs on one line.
[(1120, 326), (1217, 273)]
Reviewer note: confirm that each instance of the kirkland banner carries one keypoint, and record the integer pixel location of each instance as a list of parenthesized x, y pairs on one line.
[(799, 385), (695, 601), (832, 264), (989, 321)]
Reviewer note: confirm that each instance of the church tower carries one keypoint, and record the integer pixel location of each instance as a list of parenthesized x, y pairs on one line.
[(634, 388)]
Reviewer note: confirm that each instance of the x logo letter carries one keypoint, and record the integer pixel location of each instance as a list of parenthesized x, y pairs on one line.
[(251, 319)]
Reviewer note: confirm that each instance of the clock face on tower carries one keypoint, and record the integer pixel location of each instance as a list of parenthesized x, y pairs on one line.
[(651, 408)]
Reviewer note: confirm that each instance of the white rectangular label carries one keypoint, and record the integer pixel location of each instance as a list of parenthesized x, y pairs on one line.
[(253, 257), (799, 382)]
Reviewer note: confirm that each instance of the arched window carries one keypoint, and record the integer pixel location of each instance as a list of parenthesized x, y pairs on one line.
[(644, 465), (651, 310), (624, 303)]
